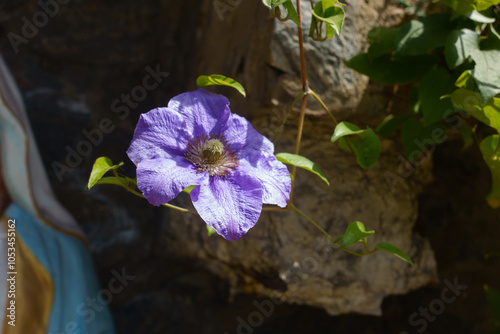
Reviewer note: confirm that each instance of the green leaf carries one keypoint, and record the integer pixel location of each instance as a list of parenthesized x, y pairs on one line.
[(332, 16), (101, 166), (459, 45), (390, 125), (487, 73), (366, 144), (493, 40), (466, 81), (485, 4), (419, 36), (301, 162), (188, 189), (434, 84), (417, 138), (493, 299), (345, 129), (490, 149), (354, 233), (394, 250), (122, 181), (220, 80), (291, 12), (210, 230), (470, 102), (338, 239), (402, 70), (272, 3), (478, 17), (460, 7), (381, 40)]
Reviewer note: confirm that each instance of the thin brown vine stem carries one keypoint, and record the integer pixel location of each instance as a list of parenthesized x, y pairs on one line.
[(289, 111), (171, 206), (301, 46)]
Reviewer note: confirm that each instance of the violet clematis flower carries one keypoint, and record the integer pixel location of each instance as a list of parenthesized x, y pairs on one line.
[(196, 140)]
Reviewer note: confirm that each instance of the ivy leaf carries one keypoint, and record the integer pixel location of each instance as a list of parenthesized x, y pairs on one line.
[(272, 3), (434, 84), (220, 80), (301, 162), (354, 233), (487, 73), (390, 124), (394, 250), (381, 40), (101, 166), (459, 45), (470, 102), (416, 138), (418, 36), (489, 149), (402, 70), (365, 144)]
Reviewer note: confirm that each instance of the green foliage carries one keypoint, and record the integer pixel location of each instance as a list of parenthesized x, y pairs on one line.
[(417, 138), (363, 143), (470, 102), (434, 84), (388, 70), (459, 45), (354, 233), (487, 73), (490, 150), (301, 162), (326, 14), (101, 166), (220, 80), (394, 250), (493, 299)]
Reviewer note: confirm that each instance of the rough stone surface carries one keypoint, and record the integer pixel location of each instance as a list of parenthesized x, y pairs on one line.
[(94, 52)]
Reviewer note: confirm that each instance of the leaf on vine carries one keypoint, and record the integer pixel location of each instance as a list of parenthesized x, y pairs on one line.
[(485, 4), (466, 81), (478, 17), (402, 70), (434, 84), (301, 162), (418, 36), (487, 73), (385, 246), (364, 143), (220, 80), (325, 12), (459, 45), (470, 102), (417, 138), (354, 233), (272, 3), (122, 181), (490, 149), (101, 166), (381, 40)]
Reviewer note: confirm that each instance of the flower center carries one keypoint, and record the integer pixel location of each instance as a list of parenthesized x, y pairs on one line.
[(211, 154)]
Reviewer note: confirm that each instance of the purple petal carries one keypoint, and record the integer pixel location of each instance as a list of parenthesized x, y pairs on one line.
[(203, 112), (273, 176), (257, 159), (162, 179), (231, 206), (160, 133)]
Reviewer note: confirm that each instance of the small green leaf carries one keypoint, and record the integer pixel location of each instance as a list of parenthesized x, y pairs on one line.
[(291, 12), (210, 230), (188, 189), (470, 102), (478, 17), (354, 233), (459, 45), (419, 36), (101, 166), (394, 250), (391, 124), (487, 73), (220, 80), (402, 70), (490, 149), (272, 3), (332, 15), (434, 84), (345, 129), (301, 162), (122, 181), (466, 81)]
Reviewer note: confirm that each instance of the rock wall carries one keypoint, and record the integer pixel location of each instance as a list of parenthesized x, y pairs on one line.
[(79, 68)]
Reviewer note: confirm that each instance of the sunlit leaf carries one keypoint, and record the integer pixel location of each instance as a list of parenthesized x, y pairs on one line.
[(220, 80), (101, 166), (394, 250), (354, 233), (301, 162)]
